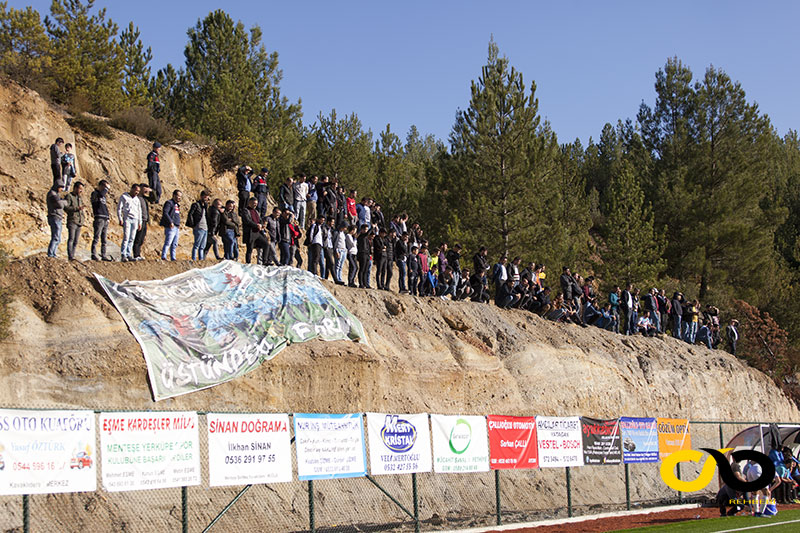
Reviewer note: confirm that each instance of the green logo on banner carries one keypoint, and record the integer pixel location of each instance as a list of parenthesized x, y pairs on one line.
[(460, 436)]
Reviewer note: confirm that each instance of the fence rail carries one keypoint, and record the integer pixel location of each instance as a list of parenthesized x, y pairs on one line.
[(396, 502)]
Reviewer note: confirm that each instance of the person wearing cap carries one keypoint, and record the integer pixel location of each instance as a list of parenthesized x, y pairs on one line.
[(153, 168), (261, 190)]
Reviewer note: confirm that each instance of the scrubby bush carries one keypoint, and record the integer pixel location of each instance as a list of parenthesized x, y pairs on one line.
[(94, 126), (139, 121)]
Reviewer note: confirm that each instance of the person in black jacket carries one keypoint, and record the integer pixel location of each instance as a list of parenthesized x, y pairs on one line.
[(413, 270), (197, 219), (480, 287), (101, 217), (171, 221), (244, 186), (286, 196), (229, 230), (628, 307), (214, 218), (364, 244), (401, 258), (391, 242), (479, 261), (251, 232), (566, 284), (379, 246), (676, 314)]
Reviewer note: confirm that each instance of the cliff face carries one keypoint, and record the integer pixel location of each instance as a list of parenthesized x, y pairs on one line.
[(70, 348), (29, 125)]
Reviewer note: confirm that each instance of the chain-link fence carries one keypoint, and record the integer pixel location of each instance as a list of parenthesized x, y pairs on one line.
[(402, 502)]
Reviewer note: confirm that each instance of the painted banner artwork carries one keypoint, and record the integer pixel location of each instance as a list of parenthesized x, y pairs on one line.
[(639, 440), (246, 449), (208, 326), (43, 452), (329, 446), (601, 441), (459, 444), (399, 444), (559, 440), (149, 450), (512, 442), (673, 436)]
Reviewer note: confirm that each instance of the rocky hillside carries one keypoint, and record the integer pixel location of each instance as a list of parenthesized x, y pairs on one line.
[(29, 125), (70, 348)]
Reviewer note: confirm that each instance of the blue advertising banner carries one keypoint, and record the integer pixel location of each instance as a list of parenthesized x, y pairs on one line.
[(639, 440), (329, 446)]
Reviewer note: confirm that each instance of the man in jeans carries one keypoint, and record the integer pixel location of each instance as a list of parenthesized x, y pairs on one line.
[(75, 217), (129, 214), (146, 197), (198, 221), (300, 197), (171, 221), (401, 257), (55, 217), (101, 216)]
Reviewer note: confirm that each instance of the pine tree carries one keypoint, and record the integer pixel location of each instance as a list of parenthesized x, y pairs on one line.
[(136, 70), (342, 148), (25, 53), (504, 157), (632, 249), (87, 60)]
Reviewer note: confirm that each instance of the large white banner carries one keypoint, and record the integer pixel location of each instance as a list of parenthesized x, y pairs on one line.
[(560, 441), (149, 450), (460, 443), (329, 446), (248, 449), (47, 451), (399, 444)]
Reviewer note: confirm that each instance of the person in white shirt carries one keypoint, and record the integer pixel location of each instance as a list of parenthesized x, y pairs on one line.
[(129, 213), (300, 188)]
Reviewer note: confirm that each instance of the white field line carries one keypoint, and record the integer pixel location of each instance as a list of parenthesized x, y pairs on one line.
[(773, 524)]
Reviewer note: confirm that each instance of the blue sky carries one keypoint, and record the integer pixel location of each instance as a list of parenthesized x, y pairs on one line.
[(412, 62)]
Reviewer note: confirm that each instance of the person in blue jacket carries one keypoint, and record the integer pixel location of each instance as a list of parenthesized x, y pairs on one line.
[(171, 220)]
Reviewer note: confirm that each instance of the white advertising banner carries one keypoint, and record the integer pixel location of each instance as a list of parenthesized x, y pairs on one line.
[(329, 446), (47, 451), (399, 444), (149, 450), (560, 441), (246, 449), (460, 444)]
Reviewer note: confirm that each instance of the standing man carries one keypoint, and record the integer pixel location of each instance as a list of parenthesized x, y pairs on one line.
[(244, 184), (129, 214), (285, 237), (197, 219), (627, 303), (75, 210), (171, 221), (55, 216), (286, 196), (311, 199), (153, 168), (214, 224), (146, 196), (261, 188), (401, 258), (251, 233), (55, 161), (316, 240), (230, 231), (300, 199), (273, 232), (68, 166), (732, 332), (101, 216)]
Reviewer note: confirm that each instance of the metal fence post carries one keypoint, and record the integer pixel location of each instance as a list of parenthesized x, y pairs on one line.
[(184, 511), (569, 493), (311, 525), (416, 501), (627, 488), (26, 513), (680, 494), (721, 440), (497, 495)]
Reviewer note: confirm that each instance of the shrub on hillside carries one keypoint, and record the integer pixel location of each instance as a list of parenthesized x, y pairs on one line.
[(5, 299), (94, 126), (239, 150), (139, 121)]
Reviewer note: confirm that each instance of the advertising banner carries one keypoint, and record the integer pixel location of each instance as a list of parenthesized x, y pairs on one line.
[(205, 327), (460, 444), (673, 436), (47, 451), (512, 442), (601, 441), (399, 444), (639, 440), (246, 449), (149, 450), (559, 439), (329, 446)]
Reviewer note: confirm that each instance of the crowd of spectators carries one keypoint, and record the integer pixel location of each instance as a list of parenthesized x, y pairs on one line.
[(338, 228)]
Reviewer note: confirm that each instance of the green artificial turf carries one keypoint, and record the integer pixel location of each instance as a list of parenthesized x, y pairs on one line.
[(710, 525)]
